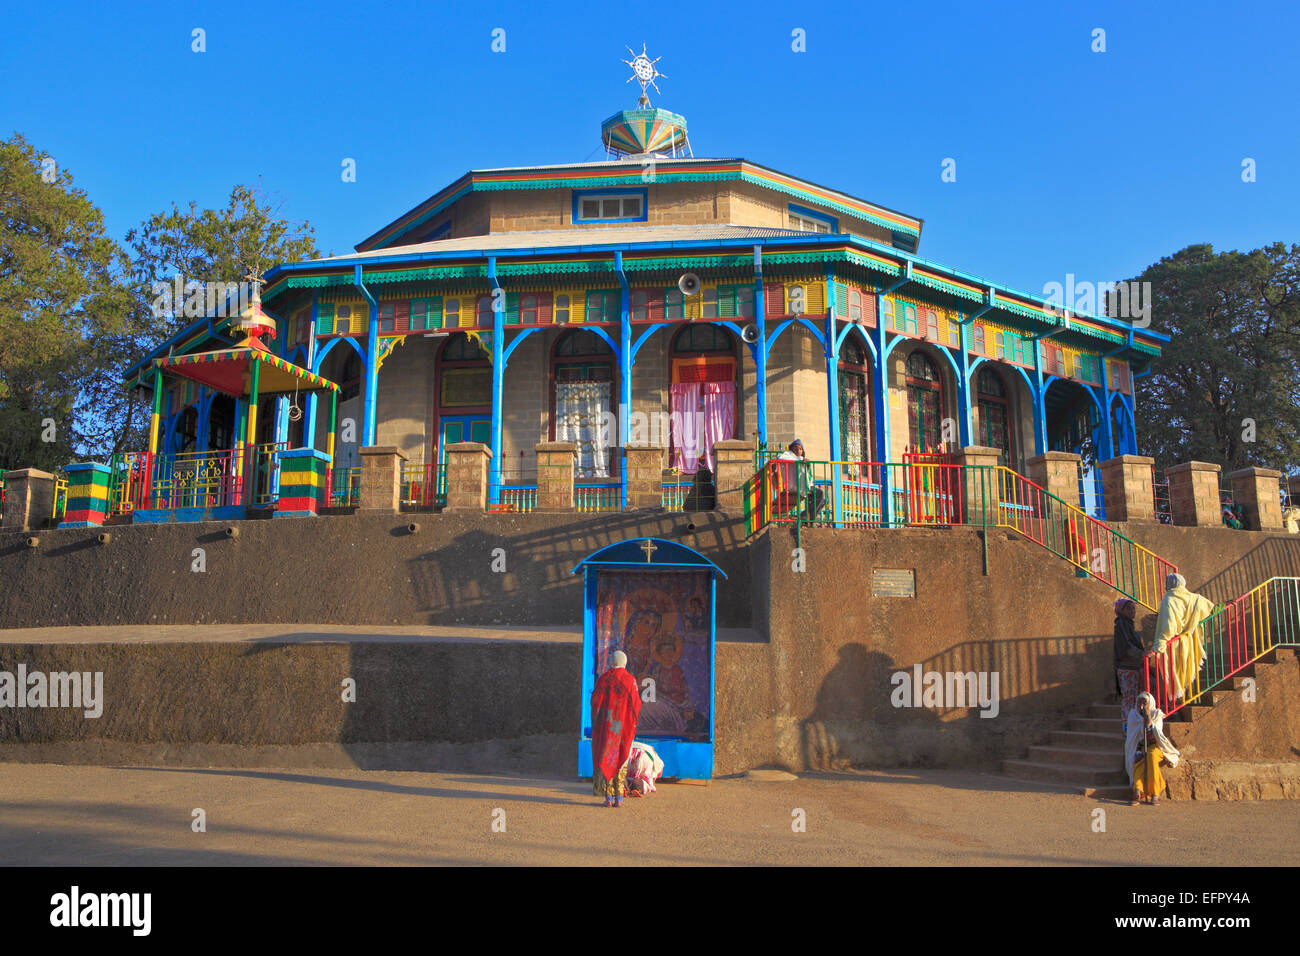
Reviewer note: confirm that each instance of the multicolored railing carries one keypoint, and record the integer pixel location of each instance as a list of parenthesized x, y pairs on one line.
[(266, 469), (343, 486), (1231, 639), (519, 498), (144, 481), (922, 493), (591, 498), (424, 486), (673, 494)]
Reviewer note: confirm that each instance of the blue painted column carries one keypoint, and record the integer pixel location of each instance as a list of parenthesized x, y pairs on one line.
[(372, 376), (309, 412), (834, 498), (624, 376), (498, 382), (202, 434), (1040, 414), (963, 343), (832, 370), (760, 350), (880, 386)]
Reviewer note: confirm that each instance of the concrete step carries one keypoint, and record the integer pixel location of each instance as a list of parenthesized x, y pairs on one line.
[(1088, 740), (1109, 759), (1064, 773), (1096, 725), (1102, 711)]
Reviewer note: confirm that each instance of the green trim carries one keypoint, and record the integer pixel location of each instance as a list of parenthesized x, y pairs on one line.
[(431, 272), (509, 269), (678, 263)]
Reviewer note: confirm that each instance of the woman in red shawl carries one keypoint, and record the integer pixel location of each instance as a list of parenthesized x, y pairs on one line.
[(615, 706)]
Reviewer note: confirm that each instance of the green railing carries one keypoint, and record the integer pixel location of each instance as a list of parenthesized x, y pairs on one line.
[(596, 497)]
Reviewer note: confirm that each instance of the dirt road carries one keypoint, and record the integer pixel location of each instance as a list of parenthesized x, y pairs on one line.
[(53, 814)]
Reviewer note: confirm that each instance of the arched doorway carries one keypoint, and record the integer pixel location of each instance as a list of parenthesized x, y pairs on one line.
[(582, 394), (926, 407), (995, 420), (702, 395), (856, 430), (1072, 420), (462, 405), (344, 368)]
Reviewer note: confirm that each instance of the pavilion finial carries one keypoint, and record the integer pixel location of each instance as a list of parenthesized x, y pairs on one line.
[(644, 72)]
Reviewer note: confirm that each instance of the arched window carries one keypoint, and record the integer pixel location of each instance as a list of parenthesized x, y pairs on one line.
[(924, 404), (582, 393), (702, 396), (855, 404), (994, 415)]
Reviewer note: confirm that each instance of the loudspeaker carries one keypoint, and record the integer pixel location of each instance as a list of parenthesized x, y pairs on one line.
[(689, 284), (750, 333)]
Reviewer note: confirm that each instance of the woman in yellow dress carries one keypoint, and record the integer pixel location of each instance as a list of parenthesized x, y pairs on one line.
[(1145, 747)]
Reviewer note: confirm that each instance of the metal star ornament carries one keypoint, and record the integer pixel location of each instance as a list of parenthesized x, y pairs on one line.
[(643, 71)]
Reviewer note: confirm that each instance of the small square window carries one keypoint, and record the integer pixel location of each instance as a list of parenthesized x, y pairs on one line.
[(528, 310), (562, 309), (345, 311), (673, 300), (387, 311), (631, 207), (591, 209), (745, 302), (640, 305), (710, 306), (610, 209)]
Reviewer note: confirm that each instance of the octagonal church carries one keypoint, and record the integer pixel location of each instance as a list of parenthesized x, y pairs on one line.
[(656, 298)]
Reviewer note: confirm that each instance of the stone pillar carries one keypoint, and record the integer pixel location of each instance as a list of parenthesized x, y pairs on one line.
[(735, 466), (556, 463), (381, 479), (302, 483), (29, 499), (87, 496), (1194, 494), (1057, 472), (980, 476), (467, 476), (645, 470), (1259, 491), (1126, 486)]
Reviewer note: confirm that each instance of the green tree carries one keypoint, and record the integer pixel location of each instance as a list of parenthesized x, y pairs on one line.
[(203, 246), (1226, 389), (60, 297)]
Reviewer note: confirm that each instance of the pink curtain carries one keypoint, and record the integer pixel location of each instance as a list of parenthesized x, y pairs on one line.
[(683, 409), (719, 417)]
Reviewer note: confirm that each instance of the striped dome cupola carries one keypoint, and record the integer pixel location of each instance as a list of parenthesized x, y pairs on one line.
[(646, 129)]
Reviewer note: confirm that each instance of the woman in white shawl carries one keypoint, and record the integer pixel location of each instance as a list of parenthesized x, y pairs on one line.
[(1179, 643), (1144, 748)]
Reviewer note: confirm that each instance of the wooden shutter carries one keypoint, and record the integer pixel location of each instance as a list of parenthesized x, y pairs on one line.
[(402, 316), (324, 318)]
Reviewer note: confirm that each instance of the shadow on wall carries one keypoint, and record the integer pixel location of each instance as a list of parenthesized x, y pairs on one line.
[(1275, 557), (462, 582), (855, 720)]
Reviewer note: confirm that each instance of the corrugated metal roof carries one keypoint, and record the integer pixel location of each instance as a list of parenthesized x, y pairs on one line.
[(593, 235)]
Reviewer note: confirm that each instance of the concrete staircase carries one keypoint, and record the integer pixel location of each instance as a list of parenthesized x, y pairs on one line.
[(1086, 757)]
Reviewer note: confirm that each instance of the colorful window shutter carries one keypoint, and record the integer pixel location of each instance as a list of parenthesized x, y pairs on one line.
[(842, 300), (655, 306), (543, 308), (512, 308), (815, 297), (419, 315), (402, 316), (726, 302), (869, 308), (324, 318), (673, 304)]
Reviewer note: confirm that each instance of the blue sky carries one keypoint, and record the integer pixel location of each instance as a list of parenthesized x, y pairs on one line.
[(1067, 161)]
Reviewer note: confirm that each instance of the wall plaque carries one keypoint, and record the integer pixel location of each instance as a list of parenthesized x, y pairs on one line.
[(893, 582)]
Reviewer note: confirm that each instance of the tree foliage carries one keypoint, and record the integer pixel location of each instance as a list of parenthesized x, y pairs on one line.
[(1226, 389), (60, 297)]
